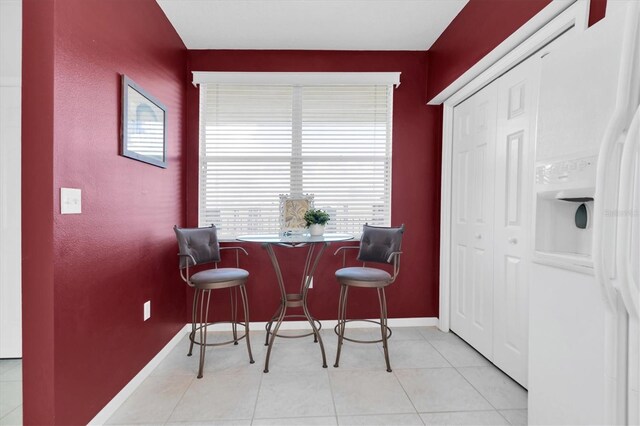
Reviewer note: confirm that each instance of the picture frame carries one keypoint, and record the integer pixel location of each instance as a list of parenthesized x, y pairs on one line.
[(292, 210), (143, 126)]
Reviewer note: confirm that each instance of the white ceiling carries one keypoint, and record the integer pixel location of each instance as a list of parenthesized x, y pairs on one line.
[(310, 24)]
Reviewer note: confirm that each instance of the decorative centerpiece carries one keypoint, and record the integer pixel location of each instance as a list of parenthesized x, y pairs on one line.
[(316, 219)]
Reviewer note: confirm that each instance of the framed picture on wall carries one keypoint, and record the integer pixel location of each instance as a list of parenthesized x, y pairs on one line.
[(144, 125)]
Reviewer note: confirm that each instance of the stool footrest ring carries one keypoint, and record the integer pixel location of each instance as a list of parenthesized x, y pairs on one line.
[(192, 334), (387, 329)]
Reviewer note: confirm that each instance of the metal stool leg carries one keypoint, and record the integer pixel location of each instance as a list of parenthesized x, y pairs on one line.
[(194, 310), (204, 318), (245, 306), (382, 299), (342, 312), (233, 293)]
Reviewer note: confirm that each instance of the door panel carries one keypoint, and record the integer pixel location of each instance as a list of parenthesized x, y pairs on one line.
[(515, 153), (472, 230), (513, 274), (460, 276), (514, 179), (462, 165), (479, 298)]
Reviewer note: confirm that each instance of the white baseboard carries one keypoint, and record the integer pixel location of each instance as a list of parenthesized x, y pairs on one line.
[(109, 409), (329, 324)]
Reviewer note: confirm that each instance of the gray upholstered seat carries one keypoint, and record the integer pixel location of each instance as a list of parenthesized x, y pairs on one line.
[(199, 246), (378, 245), (219, 278), (363, 276)]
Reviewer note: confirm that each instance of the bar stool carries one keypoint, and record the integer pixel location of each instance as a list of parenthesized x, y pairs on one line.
[(377, 245), (199, 246)]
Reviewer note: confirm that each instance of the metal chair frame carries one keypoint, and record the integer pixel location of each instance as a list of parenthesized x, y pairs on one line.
[(385, 331), (200, 312)]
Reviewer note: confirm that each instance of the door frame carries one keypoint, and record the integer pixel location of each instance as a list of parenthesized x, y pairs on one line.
[(10, 186), (554, 20)]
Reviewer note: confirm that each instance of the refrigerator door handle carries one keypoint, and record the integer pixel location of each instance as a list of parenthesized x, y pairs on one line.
[(625, 280), (613, 133), (625, 255)]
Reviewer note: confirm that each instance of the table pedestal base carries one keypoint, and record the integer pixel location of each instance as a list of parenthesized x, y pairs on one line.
[(295, 300)]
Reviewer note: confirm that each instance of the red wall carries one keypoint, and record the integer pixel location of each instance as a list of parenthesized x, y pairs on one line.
[(37, 212), (87, 276), (415, 190), (597, 10), (479, 28)]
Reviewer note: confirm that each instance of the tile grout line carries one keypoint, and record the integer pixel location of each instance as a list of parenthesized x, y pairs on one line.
[(513, 409), (179, 400), (181, 396), (500, 414), (255, 404), (183, 393), (464, 377), (15, 367), (333, 399), (402, 386), (461, 340), (493, 366), (476, 389), (458, 411), (408, 397), (20, 404), (405, 391), (400, 382), (441, 354), (19, 407), (457, 371)]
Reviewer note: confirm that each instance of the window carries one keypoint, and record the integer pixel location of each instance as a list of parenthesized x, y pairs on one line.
[(258, 141)]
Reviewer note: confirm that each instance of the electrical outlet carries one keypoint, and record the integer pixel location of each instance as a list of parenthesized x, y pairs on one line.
[(311, 283), (147, 310)]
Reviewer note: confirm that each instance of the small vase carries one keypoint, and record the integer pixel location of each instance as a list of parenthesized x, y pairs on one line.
[(316, 230)]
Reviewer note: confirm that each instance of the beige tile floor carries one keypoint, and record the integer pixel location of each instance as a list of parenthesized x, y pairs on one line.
[(10, 392), (437, 379)]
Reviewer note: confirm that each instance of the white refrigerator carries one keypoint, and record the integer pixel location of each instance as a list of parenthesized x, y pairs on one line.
[(584, 360)]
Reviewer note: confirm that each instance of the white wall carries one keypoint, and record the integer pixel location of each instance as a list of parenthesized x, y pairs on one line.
[(10, 188)]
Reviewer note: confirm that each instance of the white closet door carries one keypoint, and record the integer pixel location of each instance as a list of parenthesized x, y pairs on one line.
[(515, 153), (472, 226)]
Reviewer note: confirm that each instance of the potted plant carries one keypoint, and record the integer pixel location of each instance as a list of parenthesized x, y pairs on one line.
[(316, 219)]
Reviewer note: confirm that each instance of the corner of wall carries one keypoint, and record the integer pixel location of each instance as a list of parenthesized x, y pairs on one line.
[(37, 215)]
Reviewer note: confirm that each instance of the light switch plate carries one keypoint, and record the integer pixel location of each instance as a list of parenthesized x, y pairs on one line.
[(70, 201)]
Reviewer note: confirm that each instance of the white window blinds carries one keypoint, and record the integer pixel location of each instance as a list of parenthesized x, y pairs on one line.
[(260, 141)]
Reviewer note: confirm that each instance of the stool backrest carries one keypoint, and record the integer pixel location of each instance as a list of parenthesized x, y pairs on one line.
[(377, 243), (201, 243)]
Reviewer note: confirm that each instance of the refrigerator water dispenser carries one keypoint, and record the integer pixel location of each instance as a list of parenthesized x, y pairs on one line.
[(564, 208), (564, 225)]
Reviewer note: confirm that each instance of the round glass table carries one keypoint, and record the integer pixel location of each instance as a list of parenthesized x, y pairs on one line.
[(315, 247)]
